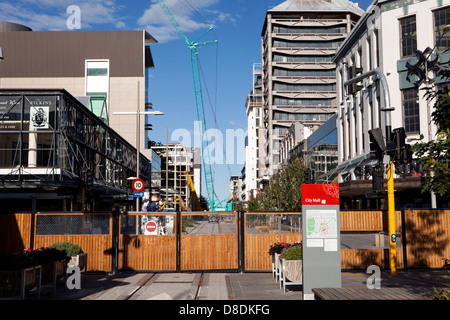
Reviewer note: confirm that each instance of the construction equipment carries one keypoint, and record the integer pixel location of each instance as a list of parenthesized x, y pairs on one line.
[(193, 47), (194, 197), (183, 205)]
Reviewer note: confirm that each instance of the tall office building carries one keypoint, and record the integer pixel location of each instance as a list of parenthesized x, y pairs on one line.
[(299, 39)]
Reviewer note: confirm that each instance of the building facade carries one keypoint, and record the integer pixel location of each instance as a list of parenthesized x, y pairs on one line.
[(55, 154), (107, 70), (177, 163), (63, 140), (299, 39), (385, 40), (254, 149)]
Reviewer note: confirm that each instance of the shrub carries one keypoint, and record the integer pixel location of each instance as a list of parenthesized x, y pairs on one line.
[(278, 247), (292, 253), (71, 249)]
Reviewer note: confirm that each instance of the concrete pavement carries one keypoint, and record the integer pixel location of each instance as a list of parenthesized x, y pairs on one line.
[(227, 286)]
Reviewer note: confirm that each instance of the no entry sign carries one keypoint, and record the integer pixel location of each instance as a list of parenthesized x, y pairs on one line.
[(138, 185), (150, 226)]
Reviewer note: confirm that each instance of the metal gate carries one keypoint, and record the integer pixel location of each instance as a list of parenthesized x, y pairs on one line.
[(154, 241), (147, 241), (209, 241)]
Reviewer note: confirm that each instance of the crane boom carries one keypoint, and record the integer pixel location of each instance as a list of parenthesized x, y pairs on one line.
[(193, 47)]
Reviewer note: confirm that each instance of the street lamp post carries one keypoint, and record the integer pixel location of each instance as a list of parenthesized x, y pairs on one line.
[(138, 114)]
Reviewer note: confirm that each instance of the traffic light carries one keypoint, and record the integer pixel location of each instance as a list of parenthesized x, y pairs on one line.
[(377, 177), (353, 71), (83, 176), (377, 145), (399, 150), (90, 179), (308, 177)]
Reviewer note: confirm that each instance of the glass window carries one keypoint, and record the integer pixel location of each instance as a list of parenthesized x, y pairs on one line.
[(9, 151), (411, 110), (72, 224), (408, 35), (441, 19), (10, 113)]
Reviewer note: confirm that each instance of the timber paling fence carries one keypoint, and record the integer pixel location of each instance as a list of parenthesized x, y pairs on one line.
[(231, 241)]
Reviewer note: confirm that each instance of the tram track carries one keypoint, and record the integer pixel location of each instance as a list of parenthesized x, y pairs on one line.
[(141, 290)]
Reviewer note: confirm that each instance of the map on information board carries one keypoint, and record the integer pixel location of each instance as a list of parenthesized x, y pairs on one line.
[(321, 224)]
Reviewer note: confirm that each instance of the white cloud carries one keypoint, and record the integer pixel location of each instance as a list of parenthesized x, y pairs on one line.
[(188, 15), (52, 15)]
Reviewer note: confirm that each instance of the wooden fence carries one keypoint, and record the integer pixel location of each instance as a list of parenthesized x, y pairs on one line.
[(215, 250), (147, 252), (424, 242)]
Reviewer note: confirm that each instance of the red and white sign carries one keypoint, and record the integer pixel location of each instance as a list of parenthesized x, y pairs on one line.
[(320, 194), (138, 185), (150, 227)]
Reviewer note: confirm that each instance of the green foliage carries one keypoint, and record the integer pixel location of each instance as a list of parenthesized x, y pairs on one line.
[(292, 253), (284, 190), (71, 249), (254, 204), (435, 154)]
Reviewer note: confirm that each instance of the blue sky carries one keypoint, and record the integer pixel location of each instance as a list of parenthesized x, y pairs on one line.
[(227, 65)]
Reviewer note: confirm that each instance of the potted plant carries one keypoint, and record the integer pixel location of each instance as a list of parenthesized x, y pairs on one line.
[(275, 250), (19, 273), (78, 257), (53, 262), (292, 265)]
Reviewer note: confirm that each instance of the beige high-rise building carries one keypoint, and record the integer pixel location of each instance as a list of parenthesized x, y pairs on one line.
[(299, 39)]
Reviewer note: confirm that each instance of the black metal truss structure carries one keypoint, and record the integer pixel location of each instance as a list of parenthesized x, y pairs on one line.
[(51, 141)]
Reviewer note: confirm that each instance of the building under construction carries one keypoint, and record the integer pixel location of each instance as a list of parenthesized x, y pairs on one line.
[(178, 164)]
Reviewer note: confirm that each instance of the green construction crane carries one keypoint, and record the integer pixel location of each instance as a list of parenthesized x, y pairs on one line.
[(193, 47)]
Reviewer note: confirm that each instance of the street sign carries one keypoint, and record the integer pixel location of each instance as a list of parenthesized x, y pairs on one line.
[(138, 185), (139, 194), (150, 227)]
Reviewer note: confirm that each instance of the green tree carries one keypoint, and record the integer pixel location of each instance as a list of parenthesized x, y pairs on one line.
[(435, 154), (284, 190)]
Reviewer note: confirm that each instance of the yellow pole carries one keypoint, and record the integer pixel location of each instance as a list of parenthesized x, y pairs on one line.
[(391, 215)]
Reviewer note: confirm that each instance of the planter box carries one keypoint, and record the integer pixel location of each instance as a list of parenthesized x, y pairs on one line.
[(292, 273), (16, 283), (52, 272), (80, 261), (276, 266)]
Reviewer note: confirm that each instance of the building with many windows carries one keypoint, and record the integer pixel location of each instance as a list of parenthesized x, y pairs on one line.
[(55, 154), (254, 148), (388, 39), (106, 70), (177, 163), (299, 39), (69, 131)]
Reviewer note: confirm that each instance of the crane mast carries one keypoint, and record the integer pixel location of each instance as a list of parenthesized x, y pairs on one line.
[(193, 47)]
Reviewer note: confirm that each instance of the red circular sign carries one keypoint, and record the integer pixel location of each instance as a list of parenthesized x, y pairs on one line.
[(150, 226), (138, 185)]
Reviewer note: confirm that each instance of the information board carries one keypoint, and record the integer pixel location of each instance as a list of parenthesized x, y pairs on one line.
[(321, 238)]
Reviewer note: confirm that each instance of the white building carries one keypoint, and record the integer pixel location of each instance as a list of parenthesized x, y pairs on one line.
[(385, 39), (254, 150)]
